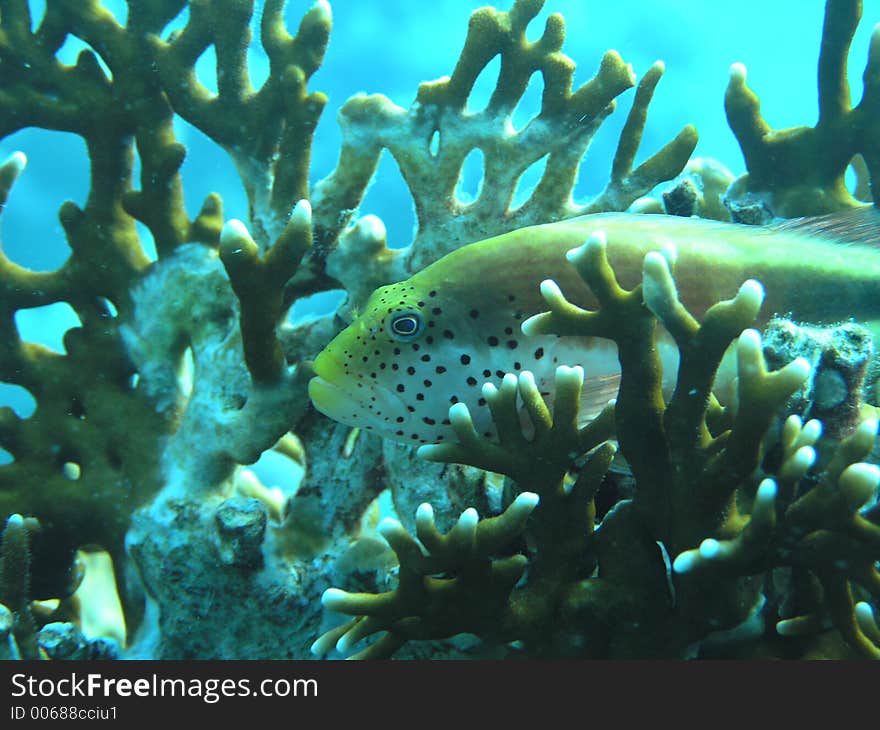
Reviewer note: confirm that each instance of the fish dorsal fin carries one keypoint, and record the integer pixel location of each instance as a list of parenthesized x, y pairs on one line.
[(857, 225)]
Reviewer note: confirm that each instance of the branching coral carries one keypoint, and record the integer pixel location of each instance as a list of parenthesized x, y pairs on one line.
[(800, 171), (559, 133), (691, 483), (115, 422), (831, 530), (15, 588), (181, 370)]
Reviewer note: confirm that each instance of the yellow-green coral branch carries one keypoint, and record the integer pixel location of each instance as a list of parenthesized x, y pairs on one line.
[(258, 282)]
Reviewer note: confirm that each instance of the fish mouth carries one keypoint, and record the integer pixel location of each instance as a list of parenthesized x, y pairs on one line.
[(335, 394)]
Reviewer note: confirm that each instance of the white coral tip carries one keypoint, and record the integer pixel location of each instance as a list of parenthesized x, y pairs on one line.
[(550, 291), (800, 368), (459, 414), (525, 502), (509, 381), (18, 160), (767, 491), (865, 618), (333, 599), (749, 341), (469, 519), (752, 293), (302, 214), (388, 526), (425, 514), (858, 483), (811, 432), (597, 240), (323, 10), (738, 72), (233, 231), (686, 561), (803, 459), (531, 326), (710, 549), (573, 375)]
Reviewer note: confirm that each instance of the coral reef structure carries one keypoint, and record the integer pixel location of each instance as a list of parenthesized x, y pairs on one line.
[(645, 528)]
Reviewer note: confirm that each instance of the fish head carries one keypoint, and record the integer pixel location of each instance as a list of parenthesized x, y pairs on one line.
[(419, 347), (422, 345)]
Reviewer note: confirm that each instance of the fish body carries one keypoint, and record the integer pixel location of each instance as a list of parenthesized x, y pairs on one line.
[(433, 340)]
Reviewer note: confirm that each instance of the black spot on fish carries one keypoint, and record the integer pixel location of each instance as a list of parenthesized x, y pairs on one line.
[(511, 298), (481, 402), (429, 421), (395, 366), (427, 383), (429, 340), (432, 293), (471, 381), (420, 396), (465, 359), (474, 314), (453, 399), (382, 366), (411, 409), (517, 366), (396, 350), (416, 347), (493, 341), (399, 419), (421, 304), (440, 369), (399, 433), (539, 353), (487, 373), (508, 330), (400, 388), (499, 373), (411, 370), (436, 310), (446, 422), (426, 358), (448, 334), (512, 344)]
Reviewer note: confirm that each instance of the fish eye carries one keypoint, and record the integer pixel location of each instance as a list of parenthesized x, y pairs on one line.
[(406, 326)]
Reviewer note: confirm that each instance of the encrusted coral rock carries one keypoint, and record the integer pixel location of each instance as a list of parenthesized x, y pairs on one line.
[(839, 357), (241, 528)]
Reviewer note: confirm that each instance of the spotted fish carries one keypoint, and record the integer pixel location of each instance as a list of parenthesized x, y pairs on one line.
[(426, 343)]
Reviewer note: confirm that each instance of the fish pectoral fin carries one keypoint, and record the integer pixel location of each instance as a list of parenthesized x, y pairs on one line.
[(597, 391)]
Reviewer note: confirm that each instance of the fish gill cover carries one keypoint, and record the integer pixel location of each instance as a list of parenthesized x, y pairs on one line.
[(226, 226)]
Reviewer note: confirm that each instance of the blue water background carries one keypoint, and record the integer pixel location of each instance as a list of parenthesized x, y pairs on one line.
[(389, 46)]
